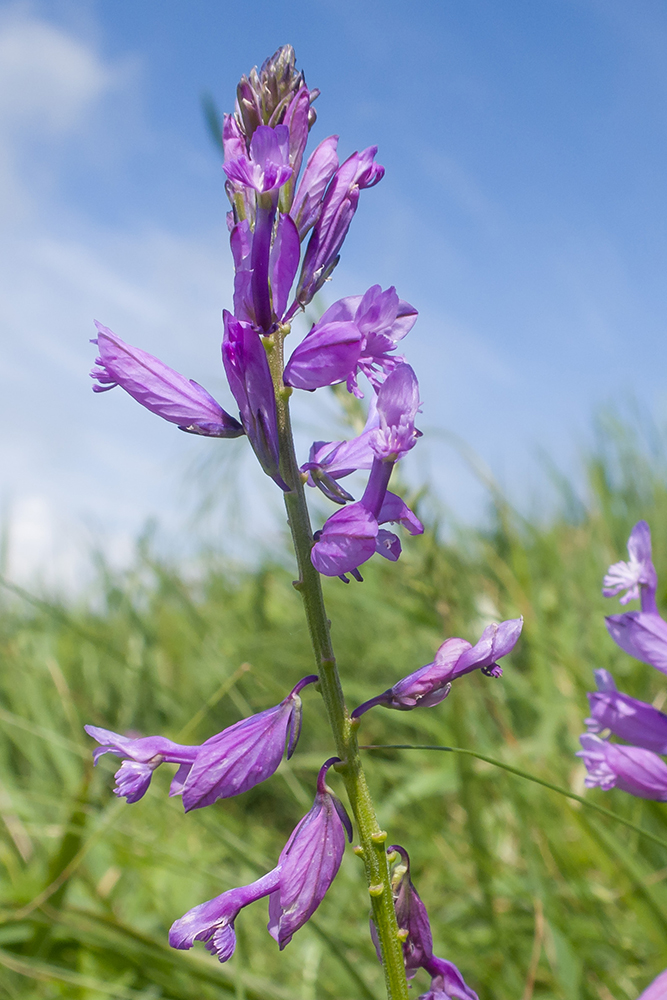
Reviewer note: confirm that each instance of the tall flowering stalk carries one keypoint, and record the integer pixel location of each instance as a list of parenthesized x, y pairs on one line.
[(287, 228)]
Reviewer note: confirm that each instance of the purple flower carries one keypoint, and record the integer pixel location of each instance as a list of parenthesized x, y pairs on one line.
[(380, 320), (296, 886), (447, 983), (657, 990), (637, 576), (338, 208), (351, 536), (632, 769), (267, 167), (431, 684), (235, 760), (632, 720), (249, 378), (309, 862), (321, 166), (159, 388)]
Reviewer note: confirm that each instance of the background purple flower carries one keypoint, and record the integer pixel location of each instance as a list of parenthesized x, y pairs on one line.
[(632, 769), (309, 862), (159, 388)]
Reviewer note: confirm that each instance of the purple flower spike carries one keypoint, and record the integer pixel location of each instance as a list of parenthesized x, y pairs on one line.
[(431, 684), (632, 769), (145, 754), (296, 886), (657, 990), (267, 168), (637, 576), (245, 754), (338, 208), (309, 862), (249, 377), (213, 921), (635, 721), (447, 983), (159, 388)]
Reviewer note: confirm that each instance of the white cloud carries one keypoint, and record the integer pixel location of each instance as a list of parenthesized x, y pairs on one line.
[(72, 457), (48, 79)]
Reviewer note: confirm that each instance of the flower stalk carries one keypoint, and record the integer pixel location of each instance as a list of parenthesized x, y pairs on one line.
[(372, 838)]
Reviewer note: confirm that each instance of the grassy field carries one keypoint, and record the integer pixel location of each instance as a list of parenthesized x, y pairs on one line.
[(533, 895)]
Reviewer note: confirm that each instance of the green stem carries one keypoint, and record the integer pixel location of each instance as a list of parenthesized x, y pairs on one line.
[(373, 840)]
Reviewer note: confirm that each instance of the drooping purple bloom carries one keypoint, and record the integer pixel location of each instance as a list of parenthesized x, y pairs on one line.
[(351, 536), (632, 769), (380, 318), (338, 207), (431, 684), (249, 378), (267, 166), (628, 718), (297, 885), (447, 983), (159, 388), (657, 990), (411, 917), (642, 634), (227, 764)]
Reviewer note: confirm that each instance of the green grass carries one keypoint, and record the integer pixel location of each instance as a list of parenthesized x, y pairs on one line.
[(533, 895)]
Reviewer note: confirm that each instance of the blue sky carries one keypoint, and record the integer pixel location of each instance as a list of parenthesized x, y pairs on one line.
[(522, 213)]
